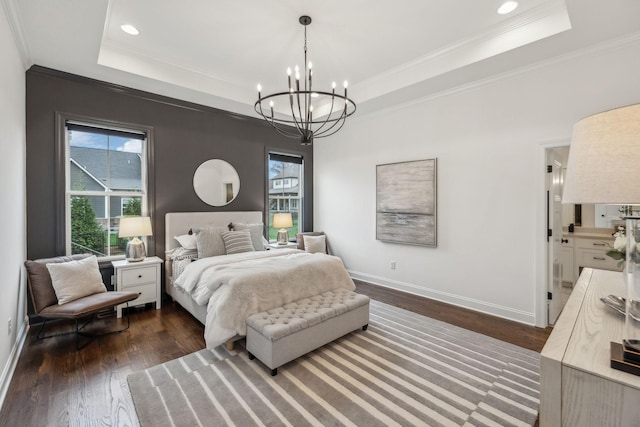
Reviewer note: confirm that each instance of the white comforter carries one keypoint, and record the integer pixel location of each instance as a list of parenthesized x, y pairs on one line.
[(236, 286)]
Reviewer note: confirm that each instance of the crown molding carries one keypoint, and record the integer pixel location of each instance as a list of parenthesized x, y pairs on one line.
[(594, 50), (17, 29), (547, 19)]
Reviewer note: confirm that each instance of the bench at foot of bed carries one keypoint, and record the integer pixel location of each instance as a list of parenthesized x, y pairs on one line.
[(282, 334)]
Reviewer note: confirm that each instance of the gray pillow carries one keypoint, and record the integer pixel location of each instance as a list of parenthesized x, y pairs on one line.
[(256, 231), (237, 241), (209, 241)]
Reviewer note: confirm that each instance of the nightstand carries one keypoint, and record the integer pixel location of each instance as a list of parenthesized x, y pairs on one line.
[(143, 277), (290, 245)]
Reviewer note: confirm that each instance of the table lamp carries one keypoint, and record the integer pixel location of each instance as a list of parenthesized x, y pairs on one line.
[(282, 221), (135, 226), (604, 167)]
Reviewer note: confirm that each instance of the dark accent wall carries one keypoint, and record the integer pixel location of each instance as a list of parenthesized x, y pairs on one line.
[(184, 136)]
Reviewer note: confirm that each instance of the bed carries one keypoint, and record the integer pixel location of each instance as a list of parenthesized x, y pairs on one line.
[(221, 291)]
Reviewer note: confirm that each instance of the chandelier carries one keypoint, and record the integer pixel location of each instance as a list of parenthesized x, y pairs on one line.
[(332, 109)]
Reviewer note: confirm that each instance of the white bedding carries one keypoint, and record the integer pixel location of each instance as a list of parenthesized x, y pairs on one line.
[(236, 286)]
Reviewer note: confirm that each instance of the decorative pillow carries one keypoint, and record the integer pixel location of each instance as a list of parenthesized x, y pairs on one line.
[(187, 241), (76, 279), (209, 241), (315, 244), (301, 236), (237, 241), (257, 233)]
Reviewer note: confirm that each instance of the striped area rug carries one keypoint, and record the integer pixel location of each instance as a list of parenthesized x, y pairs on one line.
[(406, 369)]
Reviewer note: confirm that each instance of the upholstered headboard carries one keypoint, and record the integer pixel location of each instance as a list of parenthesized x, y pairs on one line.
[(178, 223)]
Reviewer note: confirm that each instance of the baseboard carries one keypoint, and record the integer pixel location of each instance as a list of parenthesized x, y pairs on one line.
[(464, 302), (10, 367)]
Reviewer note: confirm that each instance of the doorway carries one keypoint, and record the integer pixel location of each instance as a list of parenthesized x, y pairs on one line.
[(559, 253)]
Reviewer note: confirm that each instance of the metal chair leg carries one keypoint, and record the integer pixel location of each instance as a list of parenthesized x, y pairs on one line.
[(79, 330)]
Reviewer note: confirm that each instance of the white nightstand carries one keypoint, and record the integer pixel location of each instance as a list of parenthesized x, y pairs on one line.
[(290, 245), (143, 277)]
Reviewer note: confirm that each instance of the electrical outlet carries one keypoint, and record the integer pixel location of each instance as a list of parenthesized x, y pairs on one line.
[(10, 326), (393, 265)]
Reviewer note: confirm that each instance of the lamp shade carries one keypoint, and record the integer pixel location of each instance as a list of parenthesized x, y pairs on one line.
[(282, 220), (604, 159), (135, 226)]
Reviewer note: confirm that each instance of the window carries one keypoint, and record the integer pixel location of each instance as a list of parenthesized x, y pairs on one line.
[(285, 190), (106, 178)]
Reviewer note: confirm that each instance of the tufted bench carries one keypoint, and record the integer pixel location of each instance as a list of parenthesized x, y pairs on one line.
[(279, 335)]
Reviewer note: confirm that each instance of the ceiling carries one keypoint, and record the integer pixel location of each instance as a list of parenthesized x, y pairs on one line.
[(214, 52)]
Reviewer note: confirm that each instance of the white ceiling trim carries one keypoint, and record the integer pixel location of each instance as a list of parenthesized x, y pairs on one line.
[(17, 29), (114, 56), (594, 50), (548, 19), (541, 22)]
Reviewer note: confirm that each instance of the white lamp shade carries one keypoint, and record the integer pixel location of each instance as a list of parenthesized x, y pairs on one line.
[(135, 226), (282, 220), (604, 159)]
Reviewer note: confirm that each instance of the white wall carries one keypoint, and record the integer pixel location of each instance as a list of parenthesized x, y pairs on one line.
[(489, 143), (12, 193)]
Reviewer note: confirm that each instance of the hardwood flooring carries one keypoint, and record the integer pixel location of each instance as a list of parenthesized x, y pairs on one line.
[(56, 385)]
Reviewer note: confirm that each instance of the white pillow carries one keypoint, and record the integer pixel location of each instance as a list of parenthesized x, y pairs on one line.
[(315, 244), (187, 241), (76, 279), (237, 241)]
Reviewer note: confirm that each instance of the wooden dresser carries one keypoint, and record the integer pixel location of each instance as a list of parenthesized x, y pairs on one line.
[(577, 385)]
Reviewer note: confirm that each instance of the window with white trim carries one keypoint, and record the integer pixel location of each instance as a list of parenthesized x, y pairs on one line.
[(105, 178)]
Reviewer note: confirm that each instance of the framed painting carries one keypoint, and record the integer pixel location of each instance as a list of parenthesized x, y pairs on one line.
[(406, 202)]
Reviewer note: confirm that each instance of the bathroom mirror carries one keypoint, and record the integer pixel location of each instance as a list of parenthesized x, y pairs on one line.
[(216, 182)]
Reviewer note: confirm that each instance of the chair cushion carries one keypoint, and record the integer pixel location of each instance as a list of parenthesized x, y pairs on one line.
[(87, 305), (300, 238), (40, 286), (76, 279), (315, 244)]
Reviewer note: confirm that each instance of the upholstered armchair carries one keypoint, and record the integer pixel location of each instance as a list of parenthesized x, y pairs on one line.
[(70, 287)]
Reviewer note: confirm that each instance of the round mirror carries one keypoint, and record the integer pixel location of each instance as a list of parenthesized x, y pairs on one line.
[(216, 182)]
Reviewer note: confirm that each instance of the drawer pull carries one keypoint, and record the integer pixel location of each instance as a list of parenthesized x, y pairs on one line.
[(599, 244), (564, 240), (139, 276), (599, 259)]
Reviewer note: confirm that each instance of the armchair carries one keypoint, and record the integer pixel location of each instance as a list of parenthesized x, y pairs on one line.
[(46, 301)]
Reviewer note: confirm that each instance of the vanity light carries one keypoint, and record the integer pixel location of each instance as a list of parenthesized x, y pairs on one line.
[(129, 29), (507, 7)]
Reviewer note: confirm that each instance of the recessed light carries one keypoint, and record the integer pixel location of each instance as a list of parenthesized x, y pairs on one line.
[(507, 7), (129, 29)]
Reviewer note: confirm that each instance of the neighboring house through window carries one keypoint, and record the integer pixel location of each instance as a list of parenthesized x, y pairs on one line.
[(285, 190), (106, 178)]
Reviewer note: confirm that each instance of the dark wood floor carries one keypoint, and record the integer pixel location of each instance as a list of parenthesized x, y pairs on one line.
[(55, 385)]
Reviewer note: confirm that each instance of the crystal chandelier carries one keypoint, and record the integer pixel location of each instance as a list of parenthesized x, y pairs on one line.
[(332, 109)]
